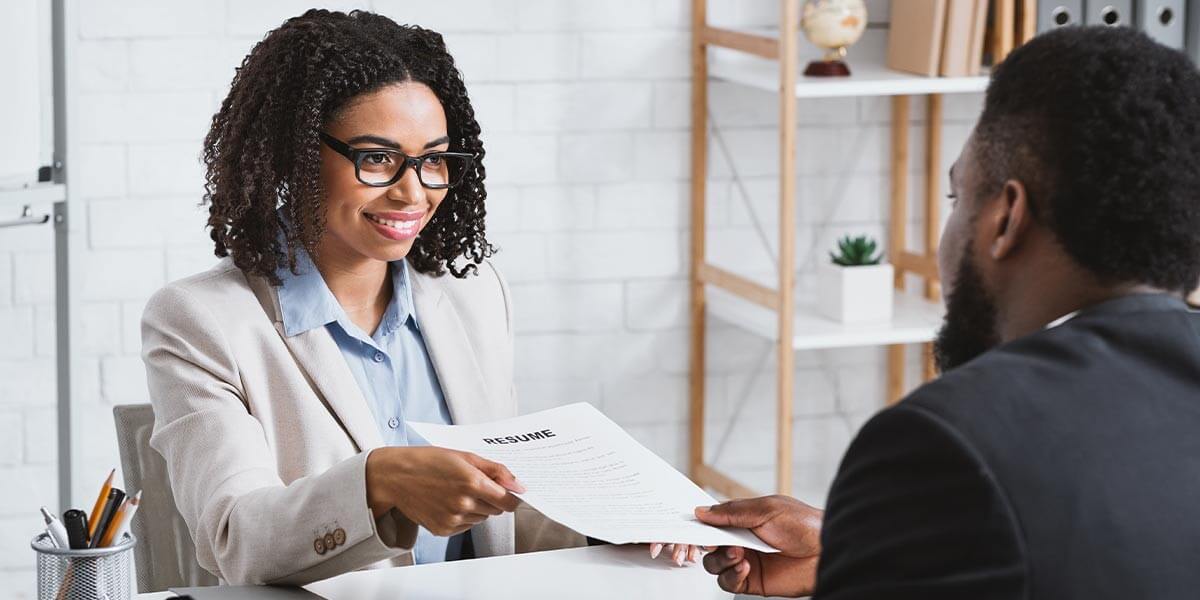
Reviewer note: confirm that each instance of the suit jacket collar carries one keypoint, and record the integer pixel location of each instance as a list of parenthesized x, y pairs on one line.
[(1133, 303), (318, 356), (450, 351)]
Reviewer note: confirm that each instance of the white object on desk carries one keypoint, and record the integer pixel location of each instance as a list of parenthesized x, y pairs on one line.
[(596, 572), (599, 572)]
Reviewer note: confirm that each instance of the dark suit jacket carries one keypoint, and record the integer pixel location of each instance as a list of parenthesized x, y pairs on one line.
[(1065, 464)]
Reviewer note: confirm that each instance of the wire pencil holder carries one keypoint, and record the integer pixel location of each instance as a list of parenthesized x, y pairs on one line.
[(91, 574)]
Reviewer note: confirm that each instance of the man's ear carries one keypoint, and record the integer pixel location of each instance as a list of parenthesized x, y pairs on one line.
[(1007, 219)]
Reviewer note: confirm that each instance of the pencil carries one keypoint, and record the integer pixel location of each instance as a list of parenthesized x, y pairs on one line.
[(115, 497), (94, 516), (120, 521)]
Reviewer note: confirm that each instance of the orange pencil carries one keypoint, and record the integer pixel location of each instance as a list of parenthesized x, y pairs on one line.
[(94, 516)]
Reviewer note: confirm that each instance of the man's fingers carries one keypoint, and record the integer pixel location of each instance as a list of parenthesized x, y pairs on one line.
[(737, 513), (733, 579), (723, 558), (497, 472)]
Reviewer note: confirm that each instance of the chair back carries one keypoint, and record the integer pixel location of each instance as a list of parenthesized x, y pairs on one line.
[(165, 555)]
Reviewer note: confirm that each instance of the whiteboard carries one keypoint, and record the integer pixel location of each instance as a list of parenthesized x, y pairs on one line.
[(26, 91)]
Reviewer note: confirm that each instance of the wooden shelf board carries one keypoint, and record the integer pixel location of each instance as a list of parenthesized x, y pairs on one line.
[(914, 320), (868, 78)]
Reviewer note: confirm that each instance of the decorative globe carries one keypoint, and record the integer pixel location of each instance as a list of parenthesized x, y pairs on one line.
[(834, 25)]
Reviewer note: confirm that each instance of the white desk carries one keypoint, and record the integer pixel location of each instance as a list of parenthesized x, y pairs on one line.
[(600, 572)]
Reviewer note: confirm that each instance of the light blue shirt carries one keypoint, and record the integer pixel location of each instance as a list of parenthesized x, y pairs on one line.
[(391, 366)]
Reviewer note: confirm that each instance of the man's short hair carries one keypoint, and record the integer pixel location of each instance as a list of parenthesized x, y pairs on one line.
[(1102, 125)]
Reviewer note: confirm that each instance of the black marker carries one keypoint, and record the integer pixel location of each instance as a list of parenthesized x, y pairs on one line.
[(75, 521)]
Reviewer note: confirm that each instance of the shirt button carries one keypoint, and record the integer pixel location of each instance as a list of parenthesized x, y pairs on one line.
[(393, 422), (378, 357)]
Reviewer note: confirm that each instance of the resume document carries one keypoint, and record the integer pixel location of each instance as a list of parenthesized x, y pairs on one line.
[(585, 472)]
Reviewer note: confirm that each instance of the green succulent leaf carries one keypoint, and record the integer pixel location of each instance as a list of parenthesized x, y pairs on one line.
[(856, 251)]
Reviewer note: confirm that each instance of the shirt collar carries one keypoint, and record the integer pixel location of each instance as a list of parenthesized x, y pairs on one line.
[(1061, 320), (306, 302)]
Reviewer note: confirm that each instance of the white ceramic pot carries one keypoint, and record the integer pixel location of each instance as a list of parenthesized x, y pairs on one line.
[(855, 294)]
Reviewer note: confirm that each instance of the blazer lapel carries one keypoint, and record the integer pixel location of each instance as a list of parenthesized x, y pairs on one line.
[(319, 357), (450, 351)]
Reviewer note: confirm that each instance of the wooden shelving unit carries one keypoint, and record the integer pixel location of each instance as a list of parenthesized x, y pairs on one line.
[(772, 63)]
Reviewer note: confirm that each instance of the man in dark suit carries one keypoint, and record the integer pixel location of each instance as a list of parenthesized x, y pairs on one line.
[(1058, 455)]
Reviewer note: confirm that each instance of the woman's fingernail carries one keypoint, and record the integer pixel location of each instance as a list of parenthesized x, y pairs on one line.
[(655, 549), (517, 487), (730, 552)]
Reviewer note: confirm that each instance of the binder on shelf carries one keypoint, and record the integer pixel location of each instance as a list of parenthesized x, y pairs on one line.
[(1053, 14), (1114, 13), (915, 37), (1162, 20), (956, 41), (1192, 38)]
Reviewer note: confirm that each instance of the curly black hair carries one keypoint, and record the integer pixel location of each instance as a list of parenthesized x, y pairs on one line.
[(262, 152), (1102, 125)]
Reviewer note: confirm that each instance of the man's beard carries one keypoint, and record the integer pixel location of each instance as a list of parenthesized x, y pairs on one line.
[(970, 326)]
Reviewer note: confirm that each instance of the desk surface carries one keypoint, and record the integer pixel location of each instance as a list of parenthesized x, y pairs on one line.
[(600, 572)]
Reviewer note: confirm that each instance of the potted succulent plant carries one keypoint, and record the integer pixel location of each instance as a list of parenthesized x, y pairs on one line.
[(856, 286)]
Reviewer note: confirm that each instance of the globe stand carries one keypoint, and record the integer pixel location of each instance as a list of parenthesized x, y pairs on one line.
[(827, 68), (831, 65)]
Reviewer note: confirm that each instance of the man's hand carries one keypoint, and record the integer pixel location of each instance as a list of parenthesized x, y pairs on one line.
[(785, 523)]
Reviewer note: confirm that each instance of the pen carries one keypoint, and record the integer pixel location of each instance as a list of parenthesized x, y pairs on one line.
[(122, 522), (57, 532), (99, 507), (75, 521), (115, 497)]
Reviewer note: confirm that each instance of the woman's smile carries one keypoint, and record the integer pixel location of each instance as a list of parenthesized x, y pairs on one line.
[(397, 225)]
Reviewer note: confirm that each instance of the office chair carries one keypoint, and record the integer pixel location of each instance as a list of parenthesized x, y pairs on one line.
[(165, 555)]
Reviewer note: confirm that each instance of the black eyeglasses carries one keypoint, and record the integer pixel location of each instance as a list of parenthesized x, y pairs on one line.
[(381, 167)]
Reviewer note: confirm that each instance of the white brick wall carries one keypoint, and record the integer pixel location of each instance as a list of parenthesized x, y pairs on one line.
[(585, 110)]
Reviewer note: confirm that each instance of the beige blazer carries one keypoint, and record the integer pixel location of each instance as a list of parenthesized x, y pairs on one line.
[(266, 437)]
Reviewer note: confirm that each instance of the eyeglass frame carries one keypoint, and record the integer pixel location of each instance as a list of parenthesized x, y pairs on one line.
[(356, 155)]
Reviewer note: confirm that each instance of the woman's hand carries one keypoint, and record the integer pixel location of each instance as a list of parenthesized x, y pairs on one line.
[(444, 491), (679, 552)]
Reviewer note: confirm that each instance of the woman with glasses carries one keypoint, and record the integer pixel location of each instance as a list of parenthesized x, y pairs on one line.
[(345, 191)]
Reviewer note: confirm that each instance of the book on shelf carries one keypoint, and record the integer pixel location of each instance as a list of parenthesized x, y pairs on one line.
[(915, 36), (938, 37), (978, 35), (956, 40)]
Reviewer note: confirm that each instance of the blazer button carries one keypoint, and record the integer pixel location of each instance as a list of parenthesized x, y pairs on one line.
[(319, 546), (339, 536), (329, 543)]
